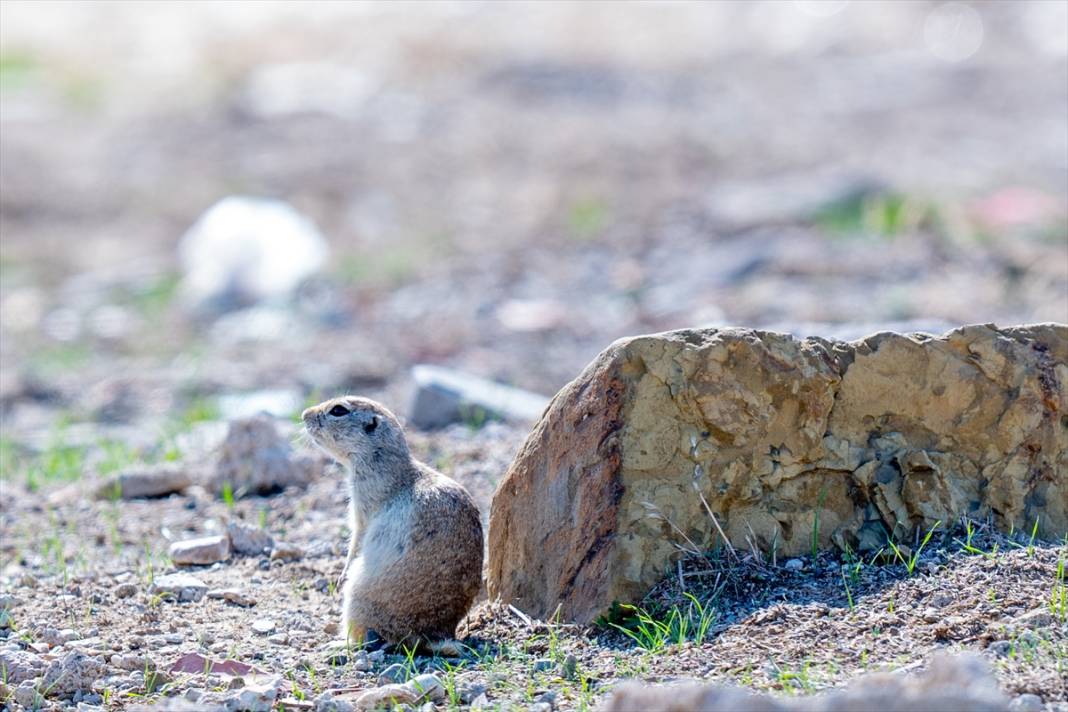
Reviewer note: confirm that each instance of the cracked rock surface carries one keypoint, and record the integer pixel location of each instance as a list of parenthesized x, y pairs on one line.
[(784, 441)]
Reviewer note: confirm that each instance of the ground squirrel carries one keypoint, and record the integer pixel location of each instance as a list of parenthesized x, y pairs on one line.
[(415, 557)]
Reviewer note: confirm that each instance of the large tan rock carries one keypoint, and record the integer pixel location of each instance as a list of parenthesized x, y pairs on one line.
[(785, 439)]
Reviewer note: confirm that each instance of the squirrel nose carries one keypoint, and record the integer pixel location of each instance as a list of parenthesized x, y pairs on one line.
[(307, 414)]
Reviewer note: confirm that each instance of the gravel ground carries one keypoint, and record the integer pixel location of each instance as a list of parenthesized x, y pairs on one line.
[(79, 577)]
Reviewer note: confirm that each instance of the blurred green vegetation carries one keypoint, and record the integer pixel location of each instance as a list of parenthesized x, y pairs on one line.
[(588, 218)]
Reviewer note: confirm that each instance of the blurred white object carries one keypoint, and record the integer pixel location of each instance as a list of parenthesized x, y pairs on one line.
[(248, 250), (313, 87), (279, 403), (953, 31)]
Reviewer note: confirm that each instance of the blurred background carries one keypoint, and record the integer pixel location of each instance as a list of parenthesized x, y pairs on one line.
[(206, 207)]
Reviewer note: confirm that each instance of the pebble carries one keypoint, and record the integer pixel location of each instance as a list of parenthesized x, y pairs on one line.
[(232, 595), (19, 665), (548, 696), (284, 551), (139, 481), (326, 703), (255, 698), (1038, 618), (569, 668), (26, 695), (263, 626), (386, 696), (278, 639), (7, 601), (133, 661), (74, 671), (201, 551), (395, 673), (428, 686), (1001, 648), (1027, 703), (794, 565), (543, 665), (249, 540), (125, 590), (184, 587)]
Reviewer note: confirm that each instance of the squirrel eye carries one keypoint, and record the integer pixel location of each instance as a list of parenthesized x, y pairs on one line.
[(370, 427), (338, 411)]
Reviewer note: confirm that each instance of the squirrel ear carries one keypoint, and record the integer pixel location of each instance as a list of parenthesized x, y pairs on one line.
[(370, 427)]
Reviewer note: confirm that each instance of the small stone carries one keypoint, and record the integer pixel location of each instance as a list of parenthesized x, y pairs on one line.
[(232, 595), (395, 673), (326, 703), (540, 707), (794, 565), (140, 481), (278, 639), (480, 702), (173, 638), (543, 665), (26, 695), (1026, 703), (377, 656), (547, 696), (125, 590), (68, 634), (201, 551), (330, 628), (428, 686), (386, 696), (75, 671), (1000, 648), (930, 615), (133, 661), (284, 551), (7, 601), (256, 698), (19, 665), (361, 662), (263, 626), (444, 396), (569, 668), (468, 691), (184, 587), (248, 540), (255, 458), (1038, 618)]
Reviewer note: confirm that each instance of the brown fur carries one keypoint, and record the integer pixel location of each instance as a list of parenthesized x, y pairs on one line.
[(415, 556)]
